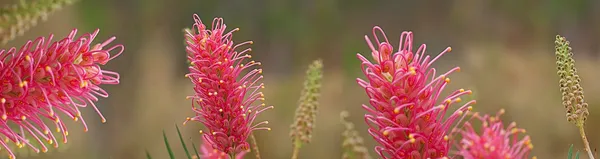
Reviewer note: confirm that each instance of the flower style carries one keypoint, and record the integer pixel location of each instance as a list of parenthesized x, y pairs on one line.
[(208, 152), (43, 78), (225, 97), (494, 141), (406, 116)]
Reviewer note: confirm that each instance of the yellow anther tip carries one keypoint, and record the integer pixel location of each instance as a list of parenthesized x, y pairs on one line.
[(449, 48), (397, 110), (446, 138), (201, 132), (2, 100), (470, 108), (458, 100), (447, 80), (461, 90), (23, 117), (386, 132)]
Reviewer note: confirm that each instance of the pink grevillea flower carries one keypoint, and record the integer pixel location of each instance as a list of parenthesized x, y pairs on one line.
[(227, 87), (494, 141), (208, 152), (42, 78), (407, 116)]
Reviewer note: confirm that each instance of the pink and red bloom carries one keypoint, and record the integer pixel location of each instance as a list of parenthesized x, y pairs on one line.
[(494, 141), (43, 78), (227, 85), (208, 152), (407, 116)]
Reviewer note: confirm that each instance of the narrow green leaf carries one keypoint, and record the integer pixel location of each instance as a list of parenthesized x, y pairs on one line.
[(570, 154), (168, 146), (577, 155), (183, 143), (148, 155), (195, 150)]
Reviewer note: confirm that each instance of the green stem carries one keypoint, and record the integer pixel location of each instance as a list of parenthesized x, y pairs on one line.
[(585, 141), (297, 146)]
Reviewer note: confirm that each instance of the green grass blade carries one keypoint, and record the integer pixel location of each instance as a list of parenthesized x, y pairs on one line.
[(570, 154), (577, 155), (148, 155), (168, 146), (183, 143), (195, 150)]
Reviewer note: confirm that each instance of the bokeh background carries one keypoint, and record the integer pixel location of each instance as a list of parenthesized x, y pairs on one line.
[(504, 47)]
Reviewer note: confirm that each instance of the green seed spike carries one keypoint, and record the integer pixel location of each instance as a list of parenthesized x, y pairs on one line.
[(353, 144), (306, 112), (16, 19), (183, 143), (570, 87)]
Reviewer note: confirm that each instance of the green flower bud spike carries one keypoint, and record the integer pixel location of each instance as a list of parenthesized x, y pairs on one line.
[(306, 113), (570, 87), (353, 144)]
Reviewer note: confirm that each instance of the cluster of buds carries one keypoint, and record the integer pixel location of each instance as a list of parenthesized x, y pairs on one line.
[(570, 87), (306, 112)]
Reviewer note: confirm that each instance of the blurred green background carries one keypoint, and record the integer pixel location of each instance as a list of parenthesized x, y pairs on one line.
[(504, 47)]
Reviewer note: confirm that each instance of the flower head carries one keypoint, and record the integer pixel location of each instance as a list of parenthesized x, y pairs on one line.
[(43, 78), (208, 152), (226, 96), (494, 141), (407, 116)]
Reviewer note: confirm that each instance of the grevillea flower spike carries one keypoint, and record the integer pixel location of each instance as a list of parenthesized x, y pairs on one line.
[(226, 98), (43, 78), (407, 117), (494, 141)]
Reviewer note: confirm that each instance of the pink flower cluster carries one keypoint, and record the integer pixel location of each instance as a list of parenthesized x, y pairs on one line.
[(43, 78), (408, 115), (494, 141), (226, 95)]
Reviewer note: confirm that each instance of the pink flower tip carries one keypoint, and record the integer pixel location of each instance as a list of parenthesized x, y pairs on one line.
[(494, 141), (208, 152), (407, 114), (227, 86), (44, 77)]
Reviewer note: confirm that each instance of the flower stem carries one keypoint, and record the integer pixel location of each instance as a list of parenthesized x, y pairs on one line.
[(255, 146), (585, 141), (297, 146)]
